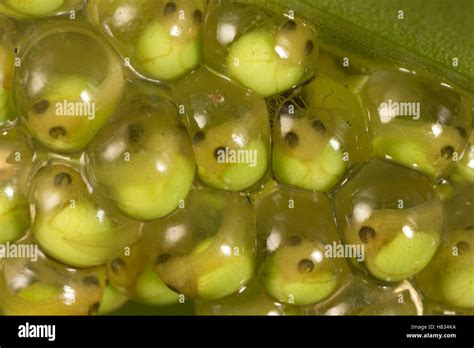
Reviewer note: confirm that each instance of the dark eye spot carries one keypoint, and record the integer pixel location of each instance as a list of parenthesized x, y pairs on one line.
[(170, 8), (57, 132), (447, 152), (463, 247), (289, 26), (62, 179), (291, 139), (218, 151), (117, 265), (135, 131), (41, 106), (162, 258), (293, 241), (93, 309), (198, 137), (197, 16), (319, 126), (305, 266), (366, 234), (91, 281), (462, 132), (308, 47)]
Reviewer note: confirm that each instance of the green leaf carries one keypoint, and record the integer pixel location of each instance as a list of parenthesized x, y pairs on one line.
[(430, 35)]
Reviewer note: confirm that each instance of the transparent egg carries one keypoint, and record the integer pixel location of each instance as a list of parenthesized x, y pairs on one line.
[(448, 279), (33, 284), (416, 123), (229, 128), (15, 166), (266, 52), (143, 160), (319, 132), (160, 39), (393, 214), (63, 95), (296, 233), (74, 226), (134, 273), (206, 249)]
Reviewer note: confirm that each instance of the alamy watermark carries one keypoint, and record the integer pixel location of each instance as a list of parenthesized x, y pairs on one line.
[(75, 109), (20, 251), (228, 155), (390, 109), (338, 250), (28, 330)]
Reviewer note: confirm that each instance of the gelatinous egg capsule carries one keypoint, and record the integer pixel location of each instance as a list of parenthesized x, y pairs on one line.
[(206, 249), (266, 52), (394, 214), (319, 132), (417, 123), (134, 273), (64, 97), (143, 160), (295, 228), (160, 39), (448, 280), (229, 128), (15, 165), (74, 226), (31, 283)]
